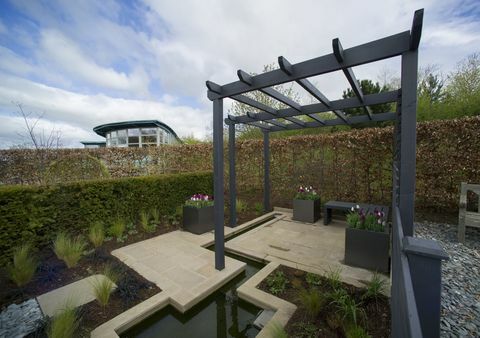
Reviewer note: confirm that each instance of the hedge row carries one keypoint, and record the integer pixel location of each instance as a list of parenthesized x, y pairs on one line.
[(37, 213)]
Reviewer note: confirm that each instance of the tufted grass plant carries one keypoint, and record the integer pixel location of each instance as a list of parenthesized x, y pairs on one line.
[(312, 301), (334, 277), (117, 229), (96, 234), (103, 287), (277, 331), (155, 214), (147, 226), (69, 249), (375, 287), (24, 265), (241, 205), (64, 324)]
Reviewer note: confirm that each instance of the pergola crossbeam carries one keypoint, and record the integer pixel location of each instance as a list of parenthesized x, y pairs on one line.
[(357, 89), (351, 102), (384, 48)]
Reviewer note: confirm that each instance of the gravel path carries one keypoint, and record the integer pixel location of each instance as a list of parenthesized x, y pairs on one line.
[(460, 277)]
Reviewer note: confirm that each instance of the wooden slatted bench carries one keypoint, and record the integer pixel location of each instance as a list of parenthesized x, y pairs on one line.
[(467, 218), (347, 206)]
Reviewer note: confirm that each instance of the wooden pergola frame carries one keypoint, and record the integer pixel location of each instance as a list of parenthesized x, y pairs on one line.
[(415, 307)]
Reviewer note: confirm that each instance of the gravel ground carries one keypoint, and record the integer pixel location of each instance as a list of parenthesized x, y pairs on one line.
[(460, 277)]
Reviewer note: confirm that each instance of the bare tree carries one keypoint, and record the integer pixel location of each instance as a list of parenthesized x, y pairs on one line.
[(38, 139)]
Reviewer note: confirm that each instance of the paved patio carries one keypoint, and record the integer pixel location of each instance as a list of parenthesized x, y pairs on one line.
[(312, 247)]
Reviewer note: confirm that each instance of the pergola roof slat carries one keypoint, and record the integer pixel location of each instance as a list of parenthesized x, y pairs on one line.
[(352, 102), (255, 104), (357, 89), (387, 47), (282, 98)]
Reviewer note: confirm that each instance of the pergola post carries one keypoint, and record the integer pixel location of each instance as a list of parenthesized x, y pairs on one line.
[(408, 135), (232, 175), (218, 183), (266, 176)]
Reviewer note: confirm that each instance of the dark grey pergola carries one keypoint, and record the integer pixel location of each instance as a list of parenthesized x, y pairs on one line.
[(411, 314)]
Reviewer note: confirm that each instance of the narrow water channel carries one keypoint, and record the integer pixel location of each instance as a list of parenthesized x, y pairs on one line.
[(220, 315)]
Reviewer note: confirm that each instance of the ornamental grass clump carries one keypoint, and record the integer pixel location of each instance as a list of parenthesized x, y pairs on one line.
[(64, 324), (103, 286), (241, 205), (117, 229), (96, 234), (69, 249), (199, 201), (24, 265), (312, 301), (155, 214), (358, 218), (306, 193), (147, 226)]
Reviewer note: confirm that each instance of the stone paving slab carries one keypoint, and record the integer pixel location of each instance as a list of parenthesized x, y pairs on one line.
[(74, 294), (178, 264)]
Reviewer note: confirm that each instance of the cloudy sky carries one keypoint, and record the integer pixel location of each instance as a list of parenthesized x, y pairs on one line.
[(85, 63)]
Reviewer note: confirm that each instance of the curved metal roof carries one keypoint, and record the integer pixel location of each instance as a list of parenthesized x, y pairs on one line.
[(103, 129)]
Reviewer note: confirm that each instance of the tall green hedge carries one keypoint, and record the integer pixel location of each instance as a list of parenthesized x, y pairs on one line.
[(37, 213)]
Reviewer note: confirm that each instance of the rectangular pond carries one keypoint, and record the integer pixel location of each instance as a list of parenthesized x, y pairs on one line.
[(221, 315)]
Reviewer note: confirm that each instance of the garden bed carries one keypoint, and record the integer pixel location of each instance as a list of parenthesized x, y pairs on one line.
[(329, 319)]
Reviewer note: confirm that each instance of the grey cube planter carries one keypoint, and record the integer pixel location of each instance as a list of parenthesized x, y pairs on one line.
[(367, 249), (198, 220), (306, 210)]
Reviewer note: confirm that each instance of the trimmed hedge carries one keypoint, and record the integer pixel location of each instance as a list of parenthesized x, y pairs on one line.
[(37, 213)]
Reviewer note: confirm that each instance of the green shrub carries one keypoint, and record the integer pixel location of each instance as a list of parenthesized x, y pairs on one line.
[(64, 324), (69, 249), (117, 229), (96, 234), (24, 265), (312, 301), (277, 282), (306, 330), (103, 287), (37, 213), (241, 205)]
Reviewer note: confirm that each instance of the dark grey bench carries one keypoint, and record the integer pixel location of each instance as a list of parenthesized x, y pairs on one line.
[(347, 206)]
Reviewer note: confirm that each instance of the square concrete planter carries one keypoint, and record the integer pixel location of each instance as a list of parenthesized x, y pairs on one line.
[(306, 210), (367, 249), (198, 220)]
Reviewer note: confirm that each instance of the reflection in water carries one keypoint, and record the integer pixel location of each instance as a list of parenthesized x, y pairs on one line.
[(220, 315)]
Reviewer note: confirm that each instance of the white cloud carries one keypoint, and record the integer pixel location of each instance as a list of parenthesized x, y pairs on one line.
[(67, 56), (79, 113)]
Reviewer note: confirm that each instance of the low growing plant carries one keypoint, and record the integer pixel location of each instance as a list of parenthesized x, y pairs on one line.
[(69, 249), (64, 324), (199, 201), (103, 287), (306, 193), (117, 229), (277, 282), (96, 234), (334, 278), (348, 309), (147, 226), (312, 301), (241, 205), (277, 331), (313, 279), (155, 213), (259, 208), (305, 330), (24, 265), (354, 331), (375, 287)]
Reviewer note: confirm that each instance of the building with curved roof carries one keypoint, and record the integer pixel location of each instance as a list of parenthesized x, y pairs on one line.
[(143, 133)]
